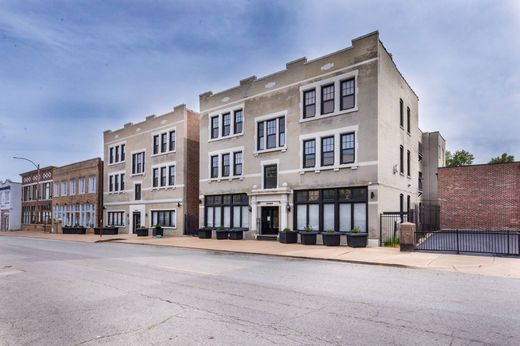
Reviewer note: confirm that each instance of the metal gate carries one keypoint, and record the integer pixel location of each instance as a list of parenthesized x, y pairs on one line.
[(389, 227)]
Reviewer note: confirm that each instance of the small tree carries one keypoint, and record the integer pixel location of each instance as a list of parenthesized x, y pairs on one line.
[(459, 158), (504, 158)]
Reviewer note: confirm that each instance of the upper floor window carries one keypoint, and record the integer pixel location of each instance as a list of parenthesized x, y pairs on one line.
[(138, 163), (401, 159), (408, 168), (327, 151), (171, 175), (271, 133), (348, 92), (309, 103), (348, 145), (172, 141), (156, 144), (56, 190), (214, 166), (214, 127), (226, 124), (327, 99), (92, 184), (225, 165), (408, 119), (116, 154), (164, 142), (237, 163), (239, 121), (155, 177), (46, 191), (137, 192), (401, 112), (116, 182), (64, 188), (270, 176), (163, 176), (81, 186), (309, 153)]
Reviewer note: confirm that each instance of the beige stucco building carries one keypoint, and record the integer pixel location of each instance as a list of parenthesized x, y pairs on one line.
[(151, 173), (328, 143)]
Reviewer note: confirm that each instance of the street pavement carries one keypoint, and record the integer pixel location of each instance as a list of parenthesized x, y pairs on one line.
[(70, 293)]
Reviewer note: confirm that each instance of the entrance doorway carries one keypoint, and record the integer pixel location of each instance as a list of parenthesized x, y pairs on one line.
[(136, 218), (270, 221)]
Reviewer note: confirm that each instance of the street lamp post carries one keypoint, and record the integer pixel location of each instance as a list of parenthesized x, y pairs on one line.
[(38, 187)]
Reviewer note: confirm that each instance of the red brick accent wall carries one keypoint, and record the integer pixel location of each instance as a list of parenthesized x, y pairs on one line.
[(484, 197)]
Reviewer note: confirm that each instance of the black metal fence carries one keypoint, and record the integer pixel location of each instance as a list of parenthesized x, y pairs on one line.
[(427, 217), (389, 227), (470, 241)]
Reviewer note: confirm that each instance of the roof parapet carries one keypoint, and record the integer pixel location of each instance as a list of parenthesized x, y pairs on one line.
[(180, 107), (127, 125), (151, 116), (248, 80), (297, 62)]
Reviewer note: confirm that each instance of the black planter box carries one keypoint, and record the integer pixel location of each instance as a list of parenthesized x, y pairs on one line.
[(204, 233), (308, 238), (357, 239), (74, 230), (142, 232), (236, 234), (222, 234), (288, 237), (106, 230), (158, 231), (331, 238)]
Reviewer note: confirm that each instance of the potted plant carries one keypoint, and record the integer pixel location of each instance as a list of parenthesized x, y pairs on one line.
[(331, 238), (288, 236), (356, 238), (107, 230), (308, 236), (141, 231), (205, 233), (76, 229), (236, 233), (222, 233), (158, 231)]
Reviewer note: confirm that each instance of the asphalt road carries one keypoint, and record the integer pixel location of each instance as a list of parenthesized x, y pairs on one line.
[(67, 293)]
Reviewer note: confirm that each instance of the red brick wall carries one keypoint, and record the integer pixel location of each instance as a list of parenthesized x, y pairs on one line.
[(485, 197)]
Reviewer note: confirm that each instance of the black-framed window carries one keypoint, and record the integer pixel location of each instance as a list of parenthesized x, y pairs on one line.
[(155, 177), (309, 103), (164, 142), (327, 151), (408, 204), (281, 131), (164, 218), (214, 127), (137, 192), (270, 176), (401, 206), (123, 153), (138, 163), (338, 209), (348, 148), (226, 211), (115, 218), (156, 144), (260, 136), (237, 163), (309, 153), (401, 159), (163, 176), (111, 156), (401, 112), (408, 168), (172, 140), (271, 134), (214, 166), (116, 182), (171, 175), (226, 124), (239, 121), (225, 165), (348, 94), (110, 184), (327, 99), (122, 177), (117, 154), (408, 116)]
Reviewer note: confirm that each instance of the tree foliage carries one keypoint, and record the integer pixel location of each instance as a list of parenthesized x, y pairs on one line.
[(504, 158), (459, 158)]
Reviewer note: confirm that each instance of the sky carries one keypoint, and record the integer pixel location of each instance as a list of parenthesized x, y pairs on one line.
[(71, 69)]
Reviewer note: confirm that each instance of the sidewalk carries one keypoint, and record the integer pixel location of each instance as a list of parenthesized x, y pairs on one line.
[(481, 265)]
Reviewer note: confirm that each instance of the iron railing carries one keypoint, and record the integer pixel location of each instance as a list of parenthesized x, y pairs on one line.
[(470, 241)]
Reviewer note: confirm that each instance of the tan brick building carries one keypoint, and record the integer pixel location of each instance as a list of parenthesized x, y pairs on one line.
[(77, 197), (481, 197), (151, 173), (36, 199)]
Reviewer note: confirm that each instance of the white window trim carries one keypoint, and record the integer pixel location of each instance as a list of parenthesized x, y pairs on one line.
[(232, 175), (159, 166), (138, 151), (108, 153), (231, 111), (113, 192), (159, 133), (268, 163), (88, 184), (337, 95), (266, 117), (116, 211), (164, 209), (317, 136)]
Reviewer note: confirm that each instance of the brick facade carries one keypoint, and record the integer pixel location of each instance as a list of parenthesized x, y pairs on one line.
[(484, 197)]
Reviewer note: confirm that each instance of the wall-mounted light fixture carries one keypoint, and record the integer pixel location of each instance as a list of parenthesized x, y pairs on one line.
[(179, 204), (372, 194), (288, 207), (249, 207)]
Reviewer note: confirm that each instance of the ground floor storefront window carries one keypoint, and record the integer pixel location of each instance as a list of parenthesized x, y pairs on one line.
[(229, 211), (338, 209), (77, 214), (36, 214), (164, 218), (115, 218)]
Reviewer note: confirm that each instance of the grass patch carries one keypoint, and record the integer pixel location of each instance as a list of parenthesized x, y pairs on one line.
[(392, 242)]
